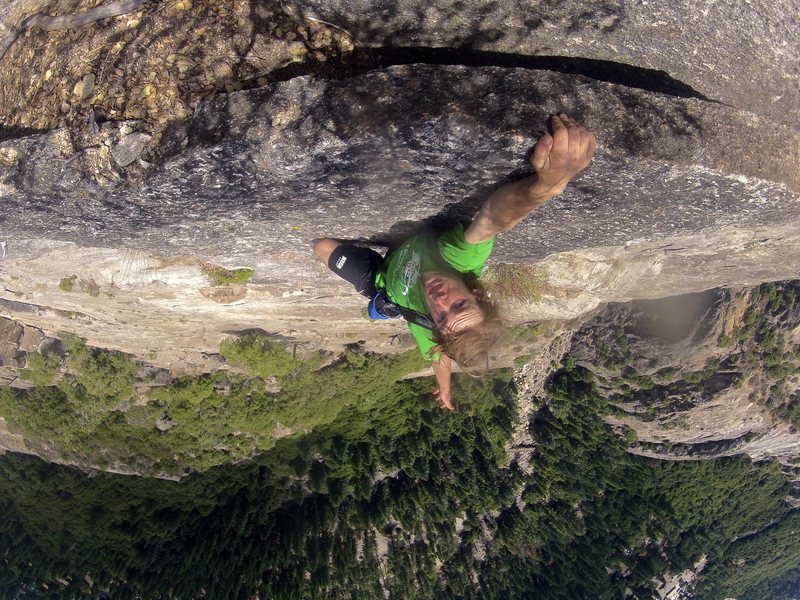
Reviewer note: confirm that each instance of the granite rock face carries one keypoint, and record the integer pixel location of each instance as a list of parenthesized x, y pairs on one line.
[(359, 157), (14, 11), (12, 14), (683, 195), (741, 53)]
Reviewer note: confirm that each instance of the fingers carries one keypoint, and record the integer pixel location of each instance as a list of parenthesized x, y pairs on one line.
[(572, 139), (573, 135), (443, 399), (592, 145), (560, 126), (562, 153), (569, 131), (556, 124), (541, 151)]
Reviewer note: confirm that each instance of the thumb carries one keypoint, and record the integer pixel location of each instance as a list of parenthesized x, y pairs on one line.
[(541, 151)]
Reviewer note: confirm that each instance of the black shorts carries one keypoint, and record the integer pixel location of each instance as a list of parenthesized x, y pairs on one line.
[(358, 266)]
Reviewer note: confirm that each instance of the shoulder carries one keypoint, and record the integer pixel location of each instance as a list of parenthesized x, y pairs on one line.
[(424, 339), (461, 254)]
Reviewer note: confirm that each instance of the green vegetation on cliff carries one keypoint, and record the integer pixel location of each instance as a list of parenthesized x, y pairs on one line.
[(98, 411), (65, 409), (397, 495), (765, 564), (761, 338)]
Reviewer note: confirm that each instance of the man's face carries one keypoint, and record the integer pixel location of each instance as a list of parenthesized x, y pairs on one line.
[(453, 307)]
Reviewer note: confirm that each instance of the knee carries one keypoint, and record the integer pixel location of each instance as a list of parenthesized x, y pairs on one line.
[(323, 248)]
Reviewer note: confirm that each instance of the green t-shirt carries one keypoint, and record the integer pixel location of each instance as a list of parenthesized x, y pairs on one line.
[(404, 268)]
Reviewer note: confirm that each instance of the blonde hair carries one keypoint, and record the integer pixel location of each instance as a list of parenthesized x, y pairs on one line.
[(470, 347)]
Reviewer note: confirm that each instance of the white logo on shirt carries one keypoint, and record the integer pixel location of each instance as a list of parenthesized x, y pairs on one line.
[(341, 261), (410, 274)]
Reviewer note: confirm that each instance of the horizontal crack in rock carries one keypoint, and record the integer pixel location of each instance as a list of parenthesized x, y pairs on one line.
[(362, 60)]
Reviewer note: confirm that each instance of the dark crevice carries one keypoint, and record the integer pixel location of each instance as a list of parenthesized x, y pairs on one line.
[(363, 60), (11, 133)]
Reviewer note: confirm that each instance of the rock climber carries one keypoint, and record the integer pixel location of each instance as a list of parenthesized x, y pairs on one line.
[(433, 282)]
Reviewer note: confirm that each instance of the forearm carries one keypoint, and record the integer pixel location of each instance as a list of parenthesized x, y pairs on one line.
[(560, 154), (442, 370), (508, 205), (511, 203)]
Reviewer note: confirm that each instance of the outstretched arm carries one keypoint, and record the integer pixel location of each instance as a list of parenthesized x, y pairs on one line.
[(442, 369), (560, 154)]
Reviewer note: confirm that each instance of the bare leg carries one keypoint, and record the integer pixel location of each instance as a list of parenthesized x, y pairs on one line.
[(324, 247)]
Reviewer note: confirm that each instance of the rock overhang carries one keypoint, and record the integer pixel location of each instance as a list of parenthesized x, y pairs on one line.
[(742, 54), (408, 143)]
